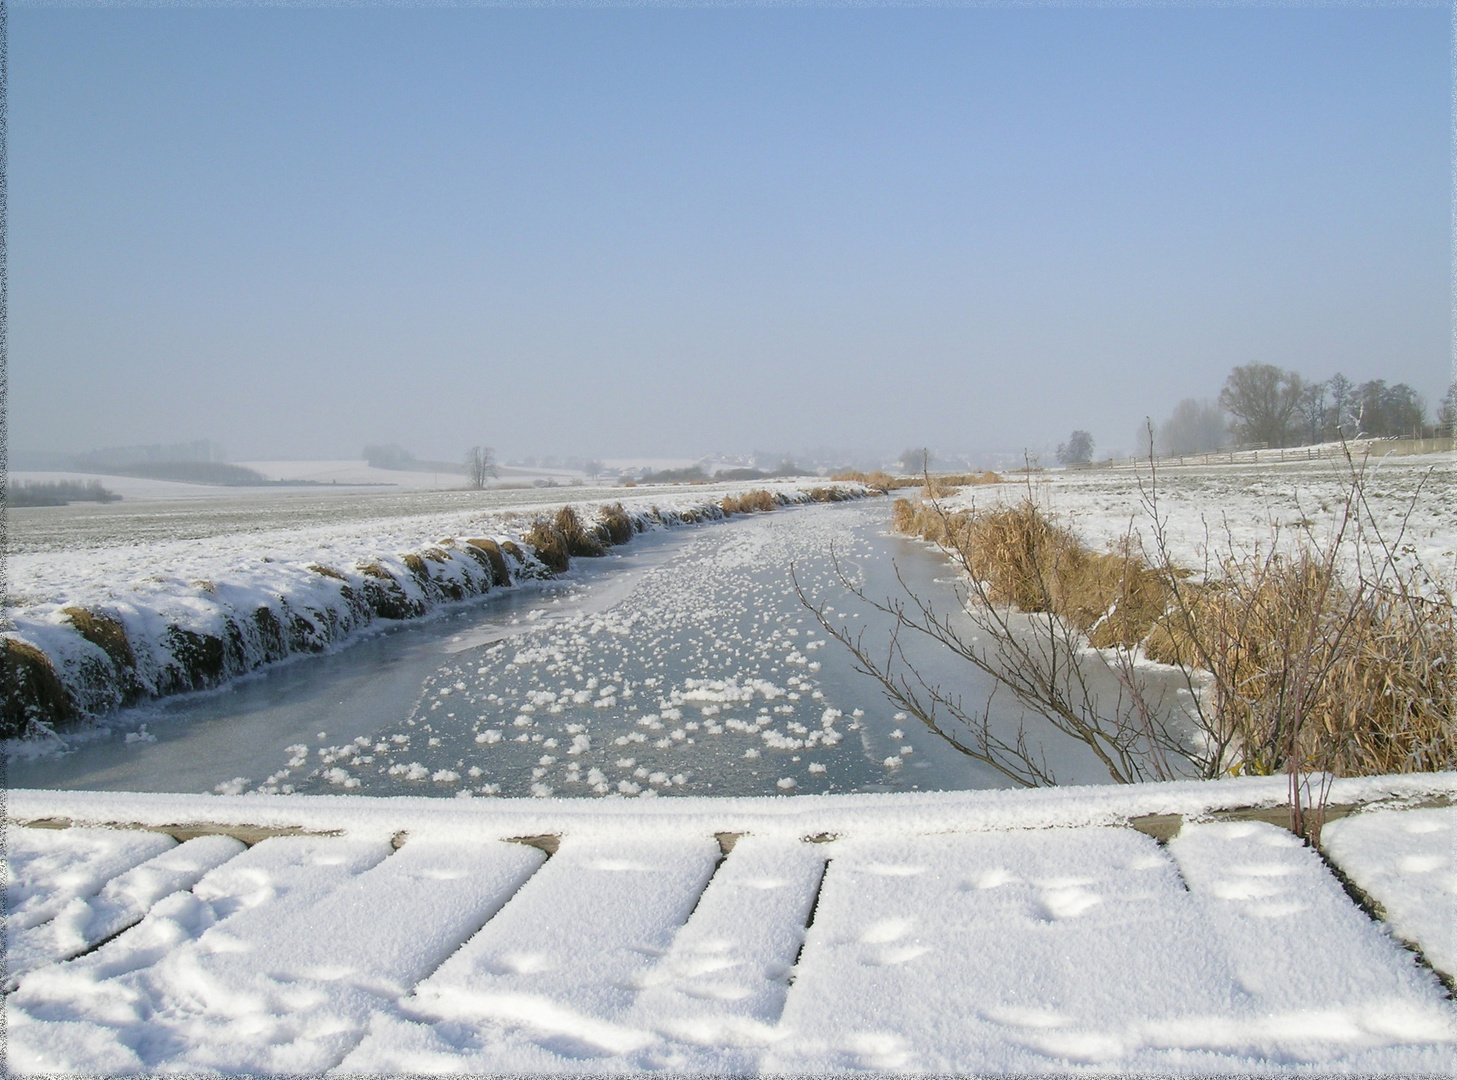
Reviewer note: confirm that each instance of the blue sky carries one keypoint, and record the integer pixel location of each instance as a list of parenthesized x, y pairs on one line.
[(614, 232)]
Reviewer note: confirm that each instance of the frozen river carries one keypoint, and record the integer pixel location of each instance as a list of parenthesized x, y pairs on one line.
[(682, 663)]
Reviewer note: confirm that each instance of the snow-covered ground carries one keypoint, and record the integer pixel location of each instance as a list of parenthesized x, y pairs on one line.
[(336, 473), (128, 487), (1210, 510), (945, 932)]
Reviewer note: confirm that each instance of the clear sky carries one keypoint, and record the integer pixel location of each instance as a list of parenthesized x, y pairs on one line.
[(632, 232)]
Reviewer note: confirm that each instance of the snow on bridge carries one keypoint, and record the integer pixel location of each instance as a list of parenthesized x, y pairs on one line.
[(1157, 928)]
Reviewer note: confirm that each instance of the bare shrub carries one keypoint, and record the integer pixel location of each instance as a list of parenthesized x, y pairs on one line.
[(1320, 664), (59, 493), (1021, 580)]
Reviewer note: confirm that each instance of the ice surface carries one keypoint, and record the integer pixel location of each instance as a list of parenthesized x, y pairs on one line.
[(305, 562), (693, 673), (1406, 860)]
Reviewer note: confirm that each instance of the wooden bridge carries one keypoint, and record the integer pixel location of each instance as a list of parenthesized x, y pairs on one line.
[(1157, 928)]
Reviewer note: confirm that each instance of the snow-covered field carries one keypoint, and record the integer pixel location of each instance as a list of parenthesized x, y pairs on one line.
[(1211, 510), (340, 473), (946, 932)]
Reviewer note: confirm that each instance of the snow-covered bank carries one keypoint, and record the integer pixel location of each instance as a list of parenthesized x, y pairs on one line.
[(953, 932), (124, 622), (1209, 510)]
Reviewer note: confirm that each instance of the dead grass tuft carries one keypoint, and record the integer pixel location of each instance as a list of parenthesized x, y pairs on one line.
[(33, 692), (106, 633), (941, 485), (384, 596), (550, 546), (581, 542), (196, 661), (749, 502), (488, 554), (618, 524)]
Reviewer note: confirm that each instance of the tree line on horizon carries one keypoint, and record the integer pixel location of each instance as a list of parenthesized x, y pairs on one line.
[(1265, 405)]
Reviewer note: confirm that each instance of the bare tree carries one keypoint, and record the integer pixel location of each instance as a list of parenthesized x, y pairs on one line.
[(1078, 450), (1341, 418), (1390, 411), (915, 459), (593, 469), (1263, 399), (1447, 411), (1313, 410), (1195, 427), (480, 464)]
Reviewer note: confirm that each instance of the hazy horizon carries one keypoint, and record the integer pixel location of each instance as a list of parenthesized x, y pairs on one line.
[(668, 233)]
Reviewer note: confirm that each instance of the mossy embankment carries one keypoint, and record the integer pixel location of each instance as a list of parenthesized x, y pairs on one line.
[(81, 661)]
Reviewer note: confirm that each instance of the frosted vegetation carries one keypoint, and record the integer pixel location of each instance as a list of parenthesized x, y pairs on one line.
[(1313, 625)]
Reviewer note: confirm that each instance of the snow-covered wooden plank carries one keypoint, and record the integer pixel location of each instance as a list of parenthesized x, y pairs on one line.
[(107, 1011), (48, 868), (993, 952), (546, 984), (721, 987), (1405, 860), (122, 902), (296, 992), (393, 925), (1315, 980)]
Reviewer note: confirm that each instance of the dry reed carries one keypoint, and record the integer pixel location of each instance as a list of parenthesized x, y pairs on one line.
[(1307, 668)]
